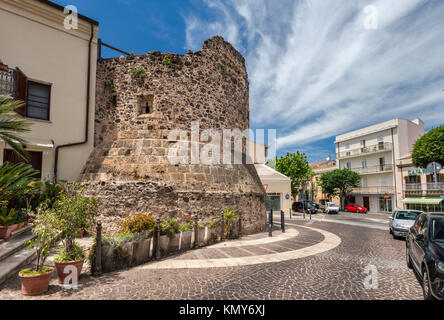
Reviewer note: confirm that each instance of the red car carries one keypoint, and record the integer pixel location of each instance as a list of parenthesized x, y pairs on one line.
[(351, 207)]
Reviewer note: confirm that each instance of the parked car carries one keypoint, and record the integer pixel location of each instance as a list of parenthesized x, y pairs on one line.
[(304, 206), (331, 207), (425, 253), (351, 207), (401, 221)]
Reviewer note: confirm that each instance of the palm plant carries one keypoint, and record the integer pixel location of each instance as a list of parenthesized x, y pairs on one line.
[(14, 178), (11, 125)]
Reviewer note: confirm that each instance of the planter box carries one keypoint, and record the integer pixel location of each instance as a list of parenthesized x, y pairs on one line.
[(213, 235), (163, 244), (107, 258), (141, 251), (174, 243), (185, 242), (202, 239)]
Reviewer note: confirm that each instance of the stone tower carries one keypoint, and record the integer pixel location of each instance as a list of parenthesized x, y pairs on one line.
[(140, 100)]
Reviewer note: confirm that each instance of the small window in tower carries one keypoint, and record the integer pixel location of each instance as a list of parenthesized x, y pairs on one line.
[(146, 104)]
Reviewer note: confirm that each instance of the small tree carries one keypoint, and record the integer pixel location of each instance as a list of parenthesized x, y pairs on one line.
[(45, 233), (339, 182), (429, 148), (295, 166), (74, 211)]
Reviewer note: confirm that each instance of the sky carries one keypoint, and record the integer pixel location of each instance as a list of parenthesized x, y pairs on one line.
[(316, 68)]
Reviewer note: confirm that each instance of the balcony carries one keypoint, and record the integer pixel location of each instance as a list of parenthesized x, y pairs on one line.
[(424, 189), (6, 81), (375, 190), (380, 147), (382, 168)]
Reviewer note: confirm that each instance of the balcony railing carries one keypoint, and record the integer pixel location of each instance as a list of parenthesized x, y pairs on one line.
[(435, 186), (375, 190), (374, 169), (413, 186), (7, 81), (382, 146)]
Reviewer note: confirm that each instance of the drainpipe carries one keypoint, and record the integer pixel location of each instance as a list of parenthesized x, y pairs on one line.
[(394, 170), (56, 161)]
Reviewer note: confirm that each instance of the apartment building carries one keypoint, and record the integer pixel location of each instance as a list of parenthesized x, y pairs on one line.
[(372, 152), (50, 64), (420, 191), (316, 193)]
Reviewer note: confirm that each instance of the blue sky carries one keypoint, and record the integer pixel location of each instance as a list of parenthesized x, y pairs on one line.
[(315, 70)]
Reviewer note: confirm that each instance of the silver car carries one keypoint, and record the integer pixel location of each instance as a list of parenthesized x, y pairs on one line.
[(402, 221)]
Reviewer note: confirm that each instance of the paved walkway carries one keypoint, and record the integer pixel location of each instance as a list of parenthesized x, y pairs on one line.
[(319, 260), (254, 250)]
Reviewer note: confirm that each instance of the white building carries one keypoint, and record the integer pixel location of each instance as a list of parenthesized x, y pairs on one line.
[(373, 152)]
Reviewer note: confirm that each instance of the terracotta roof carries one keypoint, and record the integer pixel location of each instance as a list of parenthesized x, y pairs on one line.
[(318, 163)]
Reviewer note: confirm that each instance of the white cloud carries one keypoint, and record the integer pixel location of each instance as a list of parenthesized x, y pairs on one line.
[(316, 71)]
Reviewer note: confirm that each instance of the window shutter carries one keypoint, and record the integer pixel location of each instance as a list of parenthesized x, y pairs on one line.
[(20, 92)]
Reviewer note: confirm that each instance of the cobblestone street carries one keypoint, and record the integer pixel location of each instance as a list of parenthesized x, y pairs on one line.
[(312, 260)]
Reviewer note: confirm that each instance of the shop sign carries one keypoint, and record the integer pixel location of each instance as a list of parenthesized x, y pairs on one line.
[(418, 171)]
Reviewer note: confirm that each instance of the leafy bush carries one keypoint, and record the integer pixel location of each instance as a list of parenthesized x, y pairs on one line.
[(139, 73), (7, 216), (214, 224), (170, 228), (76, 253), (168, 59), (230, 218), (138, 223), (121, 238), (110, 84)]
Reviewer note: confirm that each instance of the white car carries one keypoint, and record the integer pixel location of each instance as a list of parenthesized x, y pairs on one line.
[(331, 207)]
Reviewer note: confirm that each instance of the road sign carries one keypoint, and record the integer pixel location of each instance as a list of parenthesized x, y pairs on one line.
[(441, 196), (434, 167), (386, 197), (287, 196), (265, 187)]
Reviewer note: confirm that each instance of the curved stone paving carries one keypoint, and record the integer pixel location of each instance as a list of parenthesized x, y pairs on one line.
[(287, 248)]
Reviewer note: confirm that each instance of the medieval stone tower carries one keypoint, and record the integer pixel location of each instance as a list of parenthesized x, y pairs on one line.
[(140, 100)]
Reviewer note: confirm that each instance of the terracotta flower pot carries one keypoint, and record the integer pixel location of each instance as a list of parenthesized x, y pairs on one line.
[(20, 225), (5, 232), (60, 267), (33, 285)]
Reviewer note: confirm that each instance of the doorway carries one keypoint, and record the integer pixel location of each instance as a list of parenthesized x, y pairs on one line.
[(35, 159), (367, 203)]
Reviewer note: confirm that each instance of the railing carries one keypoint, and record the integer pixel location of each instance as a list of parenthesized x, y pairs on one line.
[(413, 186), (375, 190), (435, 186), (382, 146), (7, 81), (374, 169)]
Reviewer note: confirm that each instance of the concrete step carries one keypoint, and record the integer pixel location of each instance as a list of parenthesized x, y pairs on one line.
[(15, 244), (14, 263)]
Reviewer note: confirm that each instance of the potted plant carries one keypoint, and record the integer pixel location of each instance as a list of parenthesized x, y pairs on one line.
[(8, 219), (74, 211), (35, 280)]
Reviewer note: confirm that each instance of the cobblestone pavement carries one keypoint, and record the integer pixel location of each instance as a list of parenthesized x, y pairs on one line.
[(336, 273)]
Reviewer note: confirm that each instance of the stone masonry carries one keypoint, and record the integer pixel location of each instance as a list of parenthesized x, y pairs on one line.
[(140, 100)]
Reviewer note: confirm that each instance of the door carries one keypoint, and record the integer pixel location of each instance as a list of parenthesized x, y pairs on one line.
[(418, 245), (367, 203), (35, 159), (381, 164)]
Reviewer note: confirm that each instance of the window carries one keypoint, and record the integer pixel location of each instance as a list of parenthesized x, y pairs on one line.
[(146, 104), (364, 163), (349, 165), (39, 96), (362, 143)]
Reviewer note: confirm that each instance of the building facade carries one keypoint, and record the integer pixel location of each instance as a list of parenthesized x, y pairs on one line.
[(316, 193), (53, 70), (372, 152), (420, 191)]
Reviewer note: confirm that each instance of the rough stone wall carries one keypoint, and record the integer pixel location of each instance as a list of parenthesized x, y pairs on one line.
[(129, 171)]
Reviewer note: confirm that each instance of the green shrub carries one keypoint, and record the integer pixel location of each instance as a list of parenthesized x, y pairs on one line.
[(224, 68), (110, 84), (138, 223), (122, 237), (230, 218), (168, 59), (170, 228), (214, 224), (139, 73), (7, 216), (75, 254)]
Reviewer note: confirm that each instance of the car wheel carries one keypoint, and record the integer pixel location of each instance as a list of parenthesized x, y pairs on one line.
[(407, 258), (345, 209), (426, 285), (390, 231), (357, 211)]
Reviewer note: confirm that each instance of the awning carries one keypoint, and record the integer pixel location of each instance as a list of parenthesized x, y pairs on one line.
[(423, 200)]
